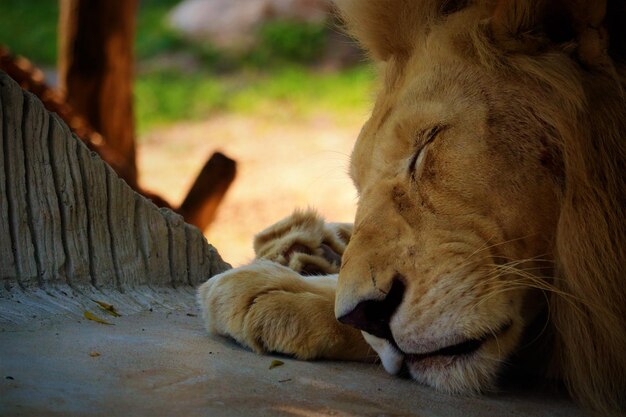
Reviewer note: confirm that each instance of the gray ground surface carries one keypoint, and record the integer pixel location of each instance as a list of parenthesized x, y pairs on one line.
[(163, 363)]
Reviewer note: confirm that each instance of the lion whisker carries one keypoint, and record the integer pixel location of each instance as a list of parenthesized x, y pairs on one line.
[(520, 284)]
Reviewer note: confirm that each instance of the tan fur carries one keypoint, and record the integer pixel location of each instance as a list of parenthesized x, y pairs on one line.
[(297, 242), (514, 212), (271, 308)]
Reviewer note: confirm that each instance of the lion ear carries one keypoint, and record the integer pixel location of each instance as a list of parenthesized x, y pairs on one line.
[(387, 28), (584, 25)]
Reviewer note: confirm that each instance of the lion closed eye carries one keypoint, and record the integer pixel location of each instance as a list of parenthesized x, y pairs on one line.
[(490, 223)]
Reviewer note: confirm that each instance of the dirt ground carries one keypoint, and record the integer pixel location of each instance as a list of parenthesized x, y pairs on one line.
[(282, 165)]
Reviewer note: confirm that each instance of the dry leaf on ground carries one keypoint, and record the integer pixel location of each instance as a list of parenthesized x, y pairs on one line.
[(90, 316), (108, 308), (276, 363)]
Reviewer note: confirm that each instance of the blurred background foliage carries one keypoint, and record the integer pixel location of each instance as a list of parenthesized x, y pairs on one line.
[(179, 79)]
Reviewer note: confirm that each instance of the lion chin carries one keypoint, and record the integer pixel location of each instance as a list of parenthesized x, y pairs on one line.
[(468, 367), (490, 218)]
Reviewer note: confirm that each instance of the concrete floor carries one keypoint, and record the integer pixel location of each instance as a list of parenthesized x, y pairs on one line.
[(162, 363)]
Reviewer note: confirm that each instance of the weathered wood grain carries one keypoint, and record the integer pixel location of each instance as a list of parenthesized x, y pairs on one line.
[(20, 229), (8, 270), (66, 218), (42, 198)]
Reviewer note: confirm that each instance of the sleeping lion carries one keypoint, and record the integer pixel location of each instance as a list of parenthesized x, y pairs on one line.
[(490, 224)]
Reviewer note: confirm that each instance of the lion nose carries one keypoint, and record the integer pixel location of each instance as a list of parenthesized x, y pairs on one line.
[(372, 316)]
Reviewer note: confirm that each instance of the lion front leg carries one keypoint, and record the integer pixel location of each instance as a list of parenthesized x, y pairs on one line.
[(271, 308)]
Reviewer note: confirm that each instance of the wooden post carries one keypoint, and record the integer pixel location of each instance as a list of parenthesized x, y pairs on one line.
[(208, 191), (96, 39)]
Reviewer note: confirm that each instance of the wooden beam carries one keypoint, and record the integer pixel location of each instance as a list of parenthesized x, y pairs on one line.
[(96, 39), (207, 192)]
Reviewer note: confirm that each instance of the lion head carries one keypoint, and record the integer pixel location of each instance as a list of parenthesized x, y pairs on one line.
[(491, 180)]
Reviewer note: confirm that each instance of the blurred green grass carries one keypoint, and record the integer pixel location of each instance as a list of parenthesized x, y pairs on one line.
[(274, 80), (29, 28), (287, 93)]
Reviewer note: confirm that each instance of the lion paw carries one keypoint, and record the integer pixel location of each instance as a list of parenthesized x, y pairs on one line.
[(270, 308), (305, 243)]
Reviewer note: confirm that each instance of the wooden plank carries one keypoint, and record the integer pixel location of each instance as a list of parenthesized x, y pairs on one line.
[(8, 269), (69, 191), (127, 256), (66, 217), (153, 242), (177, 247), (42, 198), (20, 231), (102, 269)]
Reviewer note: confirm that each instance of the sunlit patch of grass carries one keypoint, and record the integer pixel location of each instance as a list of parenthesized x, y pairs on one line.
[(292, 92), (165, 97)]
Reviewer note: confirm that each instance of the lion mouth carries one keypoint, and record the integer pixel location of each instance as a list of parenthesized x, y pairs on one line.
[(448, 354)]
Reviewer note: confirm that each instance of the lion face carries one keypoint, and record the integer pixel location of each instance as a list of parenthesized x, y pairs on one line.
[(458, 206)]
